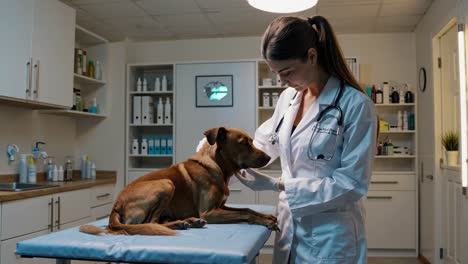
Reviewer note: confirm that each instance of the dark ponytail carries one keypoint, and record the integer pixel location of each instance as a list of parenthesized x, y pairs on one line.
[(292, 37)]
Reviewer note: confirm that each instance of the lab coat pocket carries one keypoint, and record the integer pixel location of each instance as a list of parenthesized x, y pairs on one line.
[(334, 236)]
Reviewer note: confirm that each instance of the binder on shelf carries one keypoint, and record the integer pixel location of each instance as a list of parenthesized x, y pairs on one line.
[(157, 146), (163, 146), (169, 146), (137, 110), (147, 109), (151, 146)]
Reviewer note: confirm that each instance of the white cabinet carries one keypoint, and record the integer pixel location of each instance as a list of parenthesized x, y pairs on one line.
[(71, 206), (17, 217), (8, 248), (37, 54), (390, 219)]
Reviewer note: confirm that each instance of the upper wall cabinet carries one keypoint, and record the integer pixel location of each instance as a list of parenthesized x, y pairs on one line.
[(37, 52)]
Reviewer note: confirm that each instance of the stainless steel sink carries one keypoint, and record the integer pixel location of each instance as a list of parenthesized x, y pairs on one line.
[(16, 186)]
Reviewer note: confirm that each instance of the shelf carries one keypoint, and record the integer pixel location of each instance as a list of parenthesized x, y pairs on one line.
[(87, 38), (266, 108), (72, 113), (396, 157), (393, 172), (271, 87), (151, 156), (398, 132), (394, 105), (85, 80), (150, 125), (150, 92)]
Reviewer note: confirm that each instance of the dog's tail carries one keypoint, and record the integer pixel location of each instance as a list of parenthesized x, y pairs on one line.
[(116, 227)]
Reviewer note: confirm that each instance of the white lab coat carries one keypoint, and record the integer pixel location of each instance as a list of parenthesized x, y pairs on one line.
[(320, 213)]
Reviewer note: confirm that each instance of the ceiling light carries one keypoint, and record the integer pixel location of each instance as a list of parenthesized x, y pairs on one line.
[(283, 6)]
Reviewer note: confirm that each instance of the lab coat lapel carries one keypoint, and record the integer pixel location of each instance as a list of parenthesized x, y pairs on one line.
[(326, 98), (285, 132)]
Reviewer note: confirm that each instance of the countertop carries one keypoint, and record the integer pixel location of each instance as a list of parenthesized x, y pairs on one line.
[(102, 177)]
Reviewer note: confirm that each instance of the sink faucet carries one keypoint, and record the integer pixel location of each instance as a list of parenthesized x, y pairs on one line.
[(37, 153)]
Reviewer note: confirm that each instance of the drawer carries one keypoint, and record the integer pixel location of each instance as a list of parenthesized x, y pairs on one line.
[(101, 212), (240, 194), (102, 194), (392, 182), (391, 219)]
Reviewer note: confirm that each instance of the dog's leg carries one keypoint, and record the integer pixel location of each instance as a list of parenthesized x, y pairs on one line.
[(191, 222), (250, 211), (223, 216), (146, 201)]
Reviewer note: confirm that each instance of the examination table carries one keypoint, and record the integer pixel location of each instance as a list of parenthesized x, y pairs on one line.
[(215, 243)]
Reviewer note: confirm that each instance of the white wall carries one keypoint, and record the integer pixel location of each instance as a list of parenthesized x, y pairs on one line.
[(23, 126), (382, 57), (192, 121)]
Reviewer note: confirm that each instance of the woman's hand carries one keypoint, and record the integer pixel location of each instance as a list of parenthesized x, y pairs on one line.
[(258, 181)]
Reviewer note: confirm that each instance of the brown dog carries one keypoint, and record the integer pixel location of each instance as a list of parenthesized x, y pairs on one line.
[(190, 193)]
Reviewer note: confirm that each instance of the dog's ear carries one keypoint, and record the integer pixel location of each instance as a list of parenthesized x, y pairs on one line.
[(217, 134)]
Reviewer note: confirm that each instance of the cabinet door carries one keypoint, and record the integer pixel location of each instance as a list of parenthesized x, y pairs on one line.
[(15, 47), (400, 207), (8, 248), (26, 216), (52, 52), (71, 206)]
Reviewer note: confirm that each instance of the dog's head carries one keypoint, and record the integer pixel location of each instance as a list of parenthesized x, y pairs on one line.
[(236, 145)]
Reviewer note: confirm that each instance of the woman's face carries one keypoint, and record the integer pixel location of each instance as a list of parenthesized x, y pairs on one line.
[(295, 72)]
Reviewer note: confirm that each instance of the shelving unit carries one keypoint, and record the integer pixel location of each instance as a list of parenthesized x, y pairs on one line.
[(96, 47), (265, 112), (139, 164)]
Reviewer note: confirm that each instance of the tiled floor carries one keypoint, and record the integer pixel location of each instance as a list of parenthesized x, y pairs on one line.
[(266, 259)]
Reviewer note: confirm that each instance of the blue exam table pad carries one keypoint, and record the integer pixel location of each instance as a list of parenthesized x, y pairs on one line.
[(214, 243)]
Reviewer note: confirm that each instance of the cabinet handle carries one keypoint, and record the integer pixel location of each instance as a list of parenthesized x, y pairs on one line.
[(28, 79), (384, 182), (58, 212), (380, 197), (102, 196), (36, 80), (51, 205), (235, 190)]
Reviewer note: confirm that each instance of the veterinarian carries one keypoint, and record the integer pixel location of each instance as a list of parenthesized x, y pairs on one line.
[(324, 131)]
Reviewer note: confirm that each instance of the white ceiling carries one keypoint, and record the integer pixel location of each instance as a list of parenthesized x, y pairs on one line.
[(143, 20)]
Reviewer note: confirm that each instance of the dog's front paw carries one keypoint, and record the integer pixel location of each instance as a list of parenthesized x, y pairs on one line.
[(270, 217)]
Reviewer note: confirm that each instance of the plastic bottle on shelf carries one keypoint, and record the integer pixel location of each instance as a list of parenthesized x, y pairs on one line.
[(411, 121), (405, 120), (389, 148), (274, 98), (379, 96), (157, 85), (167, 112), (139, 84), (399, 120), (164, 84), (386, 93), (145, 85), (98, 70), (83, 167), (266, 99), (159, 112)]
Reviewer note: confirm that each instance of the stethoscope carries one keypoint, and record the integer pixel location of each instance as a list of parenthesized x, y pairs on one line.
[(274, 139)]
